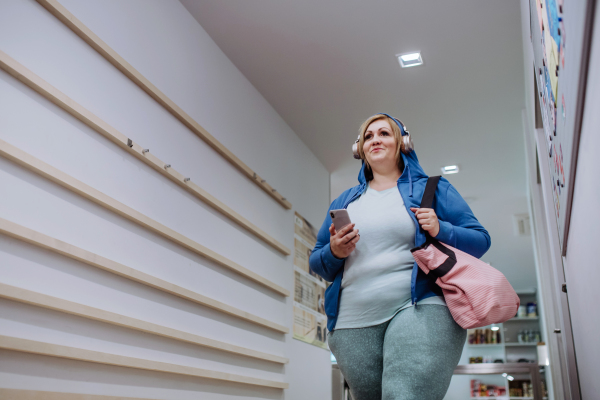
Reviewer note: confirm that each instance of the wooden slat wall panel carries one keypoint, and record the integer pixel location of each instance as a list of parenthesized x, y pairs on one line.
[(23, 394), (107, 52), (39, 167), (74, 353), (54, 303), (42, 87), (39, 239)]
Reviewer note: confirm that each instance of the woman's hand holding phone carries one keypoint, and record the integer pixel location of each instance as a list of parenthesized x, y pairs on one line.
[(343, 242)]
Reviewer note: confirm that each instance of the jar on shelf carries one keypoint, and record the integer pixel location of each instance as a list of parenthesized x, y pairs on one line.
[(532, 309)]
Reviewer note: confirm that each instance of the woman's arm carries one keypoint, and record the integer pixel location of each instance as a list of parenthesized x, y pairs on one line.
[(458, 226)]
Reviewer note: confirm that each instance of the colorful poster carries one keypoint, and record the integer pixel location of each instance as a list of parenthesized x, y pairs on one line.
[(560, 83), (551, 43), (310, 322)]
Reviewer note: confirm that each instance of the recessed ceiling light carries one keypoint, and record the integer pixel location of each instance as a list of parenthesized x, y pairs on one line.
[(450, 169), (410, 59)]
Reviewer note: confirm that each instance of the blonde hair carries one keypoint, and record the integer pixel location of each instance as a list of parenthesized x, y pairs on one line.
[(397, 135)]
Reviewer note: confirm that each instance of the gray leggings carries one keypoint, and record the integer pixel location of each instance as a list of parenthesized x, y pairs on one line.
[(410, 357)]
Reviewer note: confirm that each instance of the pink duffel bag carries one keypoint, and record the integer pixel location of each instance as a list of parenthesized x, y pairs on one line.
[(476, 293)]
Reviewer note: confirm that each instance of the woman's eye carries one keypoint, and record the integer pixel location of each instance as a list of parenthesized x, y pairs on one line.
[(384, 133), (368, 137)]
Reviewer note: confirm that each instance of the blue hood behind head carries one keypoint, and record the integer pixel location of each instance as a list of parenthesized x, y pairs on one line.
[(412, 170)]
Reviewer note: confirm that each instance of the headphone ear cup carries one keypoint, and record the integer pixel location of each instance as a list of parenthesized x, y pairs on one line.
[(355, 151), (408, 143), (355, 148)]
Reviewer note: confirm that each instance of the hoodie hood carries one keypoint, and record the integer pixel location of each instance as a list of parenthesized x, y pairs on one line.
[(412, 170)]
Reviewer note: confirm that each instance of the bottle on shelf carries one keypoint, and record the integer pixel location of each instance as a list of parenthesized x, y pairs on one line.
[(484, 336)]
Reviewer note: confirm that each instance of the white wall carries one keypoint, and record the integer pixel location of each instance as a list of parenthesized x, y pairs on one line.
[(582, 264), (162, 41)]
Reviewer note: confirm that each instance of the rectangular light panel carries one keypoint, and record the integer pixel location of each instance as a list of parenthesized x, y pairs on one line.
[(410, 59), (450, 169)]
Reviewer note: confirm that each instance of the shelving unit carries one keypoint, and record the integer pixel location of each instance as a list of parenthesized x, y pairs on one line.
[(509, 350)]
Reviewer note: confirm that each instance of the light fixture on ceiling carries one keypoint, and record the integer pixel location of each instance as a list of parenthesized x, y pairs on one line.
[(450, 169), (495, 327), (410, 59)]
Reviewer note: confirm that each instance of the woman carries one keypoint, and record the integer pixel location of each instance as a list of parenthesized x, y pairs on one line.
[(390, 330)]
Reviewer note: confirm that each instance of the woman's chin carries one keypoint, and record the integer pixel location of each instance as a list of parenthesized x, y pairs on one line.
[(379, 159)]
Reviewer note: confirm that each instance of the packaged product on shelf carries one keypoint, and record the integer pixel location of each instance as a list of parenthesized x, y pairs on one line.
[(475, 387), (520, 388), (471, 337), (520, 336), (515, 392), (479, 389), (532, 309)]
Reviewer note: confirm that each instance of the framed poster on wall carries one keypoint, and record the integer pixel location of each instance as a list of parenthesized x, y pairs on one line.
[(310, 322), (560, 35)]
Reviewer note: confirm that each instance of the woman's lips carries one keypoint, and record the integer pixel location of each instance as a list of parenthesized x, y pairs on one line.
[(376, 149)]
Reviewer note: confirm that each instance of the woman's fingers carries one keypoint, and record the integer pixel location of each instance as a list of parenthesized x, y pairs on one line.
[(347, 238), (342, 232), (343, 241), (351, 236), (428, 219)]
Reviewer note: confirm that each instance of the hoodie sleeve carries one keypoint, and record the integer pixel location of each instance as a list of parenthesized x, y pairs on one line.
[(458, 226), (322, 261)]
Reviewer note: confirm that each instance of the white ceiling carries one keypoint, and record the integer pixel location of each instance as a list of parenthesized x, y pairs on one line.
[(326, 65)]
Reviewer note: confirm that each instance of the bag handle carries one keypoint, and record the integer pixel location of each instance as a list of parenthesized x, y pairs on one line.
[(429, 194)]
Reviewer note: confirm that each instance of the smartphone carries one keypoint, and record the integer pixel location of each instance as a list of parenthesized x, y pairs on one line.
[(340, 218)]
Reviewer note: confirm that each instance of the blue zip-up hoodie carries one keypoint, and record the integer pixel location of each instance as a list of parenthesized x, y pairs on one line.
[(458, 228)]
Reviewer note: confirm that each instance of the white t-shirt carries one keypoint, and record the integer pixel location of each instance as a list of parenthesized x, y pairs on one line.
[(377, 274)]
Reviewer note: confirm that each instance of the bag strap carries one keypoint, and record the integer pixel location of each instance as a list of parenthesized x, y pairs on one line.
[(429, 194)]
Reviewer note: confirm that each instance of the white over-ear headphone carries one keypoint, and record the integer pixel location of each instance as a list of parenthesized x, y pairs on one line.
[(406, 139)]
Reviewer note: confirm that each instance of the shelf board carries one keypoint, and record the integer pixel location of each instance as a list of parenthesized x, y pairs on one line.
[(523, 319), (491, 397), (505, 398), (520, 344), (486, 345)]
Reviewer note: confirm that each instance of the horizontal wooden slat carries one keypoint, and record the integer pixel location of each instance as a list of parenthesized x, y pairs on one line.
[(17, 70), (54, 303), (47, 171), (68, 250), (24, 394), (74, 353), (119, 62)]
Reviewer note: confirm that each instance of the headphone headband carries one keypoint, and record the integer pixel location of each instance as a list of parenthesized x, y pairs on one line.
[(406, 139)]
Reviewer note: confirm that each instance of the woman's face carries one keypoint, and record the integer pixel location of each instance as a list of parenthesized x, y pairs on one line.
[(380, 144)]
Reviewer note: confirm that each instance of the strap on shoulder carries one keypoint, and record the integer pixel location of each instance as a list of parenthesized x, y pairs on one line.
[(429, 194)]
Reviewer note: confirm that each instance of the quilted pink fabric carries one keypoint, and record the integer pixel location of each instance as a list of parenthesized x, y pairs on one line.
[(476, 293)]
